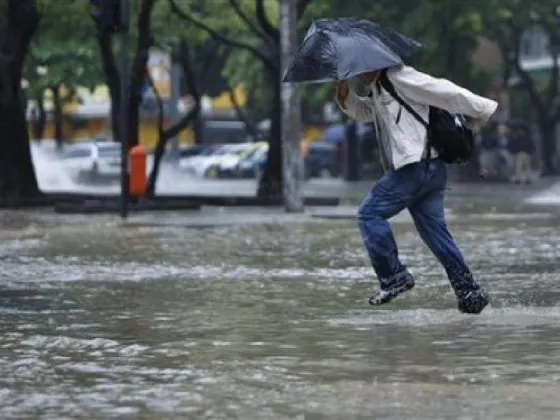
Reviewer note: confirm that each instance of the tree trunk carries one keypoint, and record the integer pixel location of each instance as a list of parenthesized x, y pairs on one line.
[(57, 114), (548, 142), (198, 128), (292, 165), (41, 119), (112, 79), (18, 183), (163, 138), (135, 95), (139, 71), (186, 63), (242, 115), (270, 185)]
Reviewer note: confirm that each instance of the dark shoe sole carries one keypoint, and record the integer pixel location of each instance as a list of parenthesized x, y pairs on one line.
[(386, 296), (474, 303)]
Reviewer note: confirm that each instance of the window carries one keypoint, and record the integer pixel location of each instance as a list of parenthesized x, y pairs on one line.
[(77, 153), (109, 151), (534, 44)]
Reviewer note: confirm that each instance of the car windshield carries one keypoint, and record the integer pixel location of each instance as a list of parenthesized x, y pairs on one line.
[(231, 149), (256, 153), (79, 151), (208, 151)]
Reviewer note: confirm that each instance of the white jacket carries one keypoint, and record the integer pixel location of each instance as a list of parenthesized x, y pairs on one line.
[(407, 136)]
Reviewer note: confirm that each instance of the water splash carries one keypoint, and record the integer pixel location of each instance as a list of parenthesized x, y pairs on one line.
[(51, 175), (549, 196)]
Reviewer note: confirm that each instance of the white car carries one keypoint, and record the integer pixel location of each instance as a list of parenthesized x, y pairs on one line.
[(231, 167), (90, 161), (227, 166), (206, 165)]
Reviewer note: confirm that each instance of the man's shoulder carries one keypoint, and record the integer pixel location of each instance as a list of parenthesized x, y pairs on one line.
[(402, 71)]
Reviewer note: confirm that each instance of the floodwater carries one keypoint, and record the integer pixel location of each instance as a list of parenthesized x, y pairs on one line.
[(150, 319)]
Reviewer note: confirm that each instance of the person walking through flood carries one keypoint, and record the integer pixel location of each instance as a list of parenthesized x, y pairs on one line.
[(415, 178)]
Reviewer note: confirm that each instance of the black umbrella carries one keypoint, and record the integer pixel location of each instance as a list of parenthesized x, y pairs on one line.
[(338, 49)]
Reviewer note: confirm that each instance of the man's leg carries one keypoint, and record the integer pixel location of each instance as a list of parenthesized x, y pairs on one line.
[(387, 198), (484, 161), (429, 218)]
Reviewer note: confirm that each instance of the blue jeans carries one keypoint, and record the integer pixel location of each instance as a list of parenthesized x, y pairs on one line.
[(420, 188)]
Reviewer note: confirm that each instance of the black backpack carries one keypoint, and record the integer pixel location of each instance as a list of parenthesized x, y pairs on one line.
[(449, 134)]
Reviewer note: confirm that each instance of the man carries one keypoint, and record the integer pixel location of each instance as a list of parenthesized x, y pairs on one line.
[(488, 151), (522, 148), (411, 181), (505, 157)]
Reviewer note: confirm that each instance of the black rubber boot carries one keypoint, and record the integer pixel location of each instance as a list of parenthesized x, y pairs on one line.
[(471, 298), (392, 288), (473, 302)]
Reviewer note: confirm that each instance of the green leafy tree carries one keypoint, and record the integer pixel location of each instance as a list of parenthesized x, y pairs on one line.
[(505, 21), (64, 60), (71, 64), (448, 34), (251, 28), (197, 77), (142, 30)]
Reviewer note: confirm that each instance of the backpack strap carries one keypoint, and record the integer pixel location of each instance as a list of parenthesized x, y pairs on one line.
[(388, 86), (384, 82)]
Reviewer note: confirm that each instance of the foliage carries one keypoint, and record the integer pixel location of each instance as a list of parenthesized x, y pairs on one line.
[(506, 25), (56, 59), (448, 30)]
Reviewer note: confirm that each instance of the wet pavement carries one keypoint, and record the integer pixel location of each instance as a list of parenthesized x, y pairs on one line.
[(155, 319)]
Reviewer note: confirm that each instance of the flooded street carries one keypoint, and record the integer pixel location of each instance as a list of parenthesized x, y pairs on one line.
[(151, 319)]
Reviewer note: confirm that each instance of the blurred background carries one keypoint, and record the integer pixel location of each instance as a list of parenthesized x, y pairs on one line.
[(254, 312), (204, 84)]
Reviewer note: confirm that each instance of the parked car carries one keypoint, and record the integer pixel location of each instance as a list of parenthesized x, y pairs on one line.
[(322, 161), (206, 164), (92, 161), (227, 167), (252, 166), (195, 150)]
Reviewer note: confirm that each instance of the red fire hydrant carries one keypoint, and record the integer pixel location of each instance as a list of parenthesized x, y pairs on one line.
[(138, 183)]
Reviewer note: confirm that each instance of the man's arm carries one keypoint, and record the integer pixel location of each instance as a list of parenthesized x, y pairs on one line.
[(354, 106), (441, 93)]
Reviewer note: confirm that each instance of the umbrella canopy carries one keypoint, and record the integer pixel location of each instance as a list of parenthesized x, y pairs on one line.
[(338, 49)]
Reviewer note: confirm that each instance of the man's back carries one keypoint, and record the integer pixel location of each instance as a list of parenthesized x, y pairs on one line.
[(398, 129)]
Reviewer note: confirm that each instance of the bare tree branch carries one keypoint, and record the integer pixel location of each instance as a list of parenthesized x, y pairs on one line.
[(139, 68), (241, 114), (252, 27), (159, 102), (161, 141), (271, 31), (112, 78), (190, 78), (220, 38)]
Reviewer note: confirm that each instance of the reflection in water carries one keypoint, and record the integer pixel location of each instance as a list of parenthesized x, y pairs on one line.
[(107, 320)]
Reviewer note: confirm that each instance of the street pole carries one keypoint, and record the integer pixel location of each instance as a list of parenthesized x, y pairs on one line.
[(292, 165), (123, 114), (174, 105)]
